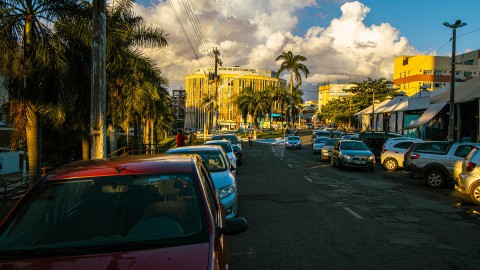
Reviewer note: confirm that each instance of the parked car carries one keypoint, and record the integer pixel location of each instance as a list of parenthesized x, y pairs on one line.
[(438, 162), (393, 153), (375, 140), (222, 175), (350, 136), (350, 153), (327, 148), (236, 144), (319, 143), (227, 147), (293, 142), (469, 181), (146, 212)]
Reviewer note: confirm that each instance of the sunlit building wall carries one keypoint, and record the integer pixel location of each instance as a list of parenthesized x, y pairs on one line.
[(329, 92), (200, 89), (413, 73)]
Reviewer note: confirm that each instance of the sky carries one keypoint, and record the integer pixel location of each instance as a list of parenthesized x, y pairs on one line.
[(343, 41)]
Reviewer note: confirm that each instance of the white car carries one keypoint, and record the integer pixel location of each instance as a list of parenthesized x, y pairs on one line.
[(293, 142), (469, 182), (318, 144), (393, 153)]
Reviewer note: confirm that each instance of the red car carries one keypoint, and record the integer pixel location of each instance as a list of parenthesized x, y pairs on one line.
[(137, 212)]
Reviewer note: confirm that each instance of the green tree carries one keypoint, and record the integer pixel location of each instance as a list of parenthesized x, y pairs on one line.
[(33, 66), (254, 103), (292, 64)]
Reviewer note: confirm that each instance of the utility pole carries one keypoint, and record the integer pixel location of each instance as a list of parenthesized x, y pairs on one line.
[(215, 81), (451, 122), (98, 104)]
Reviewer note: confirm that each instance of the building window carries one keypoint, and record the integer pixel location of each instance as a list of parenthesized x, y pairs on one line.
[(405, 61), (437, 84), (438, 72), (427, 72), (467, 74)]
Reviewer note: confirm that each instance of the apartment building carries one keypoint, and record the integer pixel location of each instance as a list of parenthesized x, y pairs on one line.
[(329, 92), (178, 107), (201, 89), (425, 72)]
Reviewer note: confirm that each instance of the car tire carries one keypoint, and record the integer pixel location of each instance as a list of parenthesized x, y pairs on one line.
[(435, 178), (390, 164), (340, 165), (475, 193)]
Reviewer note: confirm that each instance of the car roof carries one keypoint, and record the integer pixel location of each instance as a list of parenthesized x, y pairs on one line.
[(127, 165), (195, 148), (215, 142)]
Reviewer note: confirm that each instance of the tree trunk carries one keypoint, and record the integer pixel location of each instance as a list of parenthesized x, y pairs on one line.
[(112, 136), (33, 132), (85, 143)]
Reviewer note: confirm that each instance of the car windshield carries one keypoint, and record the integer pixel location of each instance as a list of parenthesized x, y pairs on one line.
[(231, 138), (225, 145), (330, 142), (353, 145), (293, 138), (108, 213), (214, 159), (320, 140)]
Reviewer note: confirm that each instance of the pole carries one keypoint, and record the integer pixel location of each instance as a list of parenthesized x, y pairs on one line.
[(451, 123)]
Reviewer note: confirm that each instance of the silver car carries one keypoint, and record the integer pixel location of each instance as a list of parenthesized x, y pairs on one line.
[(393, 153), (318, 144), (227, 147), (293, 142), (350, 153), (327, 148), (469, 182), (222, 176)]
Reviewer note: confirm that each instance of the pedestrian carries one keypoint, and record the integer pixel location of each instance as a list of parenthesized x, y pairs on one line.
[(193, 138), (180, 138)]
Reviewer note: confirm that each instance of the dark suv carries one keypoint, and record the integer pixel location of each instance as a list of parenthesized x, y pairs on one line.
[(236, 144)]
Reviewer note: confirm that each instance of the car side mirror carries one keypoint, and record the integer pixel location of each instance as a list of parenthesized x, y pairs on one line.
[(234, 226), (232, 167)]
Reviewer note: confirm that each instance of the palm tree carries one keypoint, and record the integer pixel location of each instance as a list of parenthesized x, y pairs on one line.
[(35, 81), (291, 63), (254, 103), (282, 97)]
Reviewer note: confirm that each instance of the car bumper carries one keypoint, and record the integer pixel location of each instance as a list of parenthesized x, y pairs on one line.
[(413, 170), (465, 182), (293, 146), (230, 203), (358, 164)]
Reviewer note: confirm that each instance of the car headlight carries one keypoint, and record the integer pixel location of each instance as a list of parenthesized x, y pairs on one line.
[(324, 151), (346, 156), (371, 158), (225, 191)]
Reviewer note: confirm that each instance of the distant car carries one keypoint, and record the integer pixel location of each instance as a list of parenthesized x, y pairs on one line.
[(393, 154), (218, 165), (227, 147), (469, 181), (350, 153), (319, 143), (236, 144), (327, 148), (135, 212), (293, 142)]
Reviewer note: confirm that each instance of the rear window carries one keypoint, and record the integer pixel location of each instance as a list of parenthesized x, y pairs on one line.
[(403, 145), (320, 140), (432, 147), (330, 142)]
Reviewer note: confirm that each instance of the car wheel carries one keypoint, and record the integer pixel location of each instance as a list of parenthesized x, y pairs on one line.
[(435, 178), (390, 164), (475, 193), (340, 165)]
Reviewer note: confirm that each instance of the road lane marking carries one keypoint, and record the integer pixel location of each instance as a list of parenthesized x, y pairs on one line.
[(290, 165), (308, 179), (353, 213)]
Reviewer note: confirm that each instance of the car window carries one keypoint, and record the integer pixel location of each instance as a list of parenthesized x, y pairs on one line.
[(210, 192), (102, 212), (293, 138), (321, 140), (225, 146), (330, 142), (403, 145), (353, 145), (463, 150), (432, 147)]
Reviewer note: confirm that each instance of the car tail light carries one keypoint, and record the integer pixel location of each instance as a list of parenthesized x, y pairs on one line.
[(384, 150), (414, 156), (471, 166)]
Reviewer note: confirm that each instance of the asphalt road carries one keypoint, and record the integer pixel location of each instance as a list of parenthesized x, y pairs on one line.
[(304, 214)]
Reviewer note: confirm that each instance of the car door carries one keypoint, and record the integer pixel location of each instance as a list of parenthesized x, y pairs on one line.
[(457, 159)]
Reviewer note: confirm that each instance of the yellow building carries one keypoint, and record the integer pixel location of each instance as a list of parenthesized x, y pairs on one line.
[(413, 73), (329, 92), (232, 80)]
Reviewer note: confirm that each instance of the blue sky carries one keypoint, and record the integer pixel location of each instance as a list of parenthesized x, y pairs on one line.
[(420, 21), (344, 41)]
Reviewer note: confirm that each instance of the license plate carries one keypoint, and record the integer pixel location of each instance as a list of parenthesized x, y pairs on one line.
[(359, 162)]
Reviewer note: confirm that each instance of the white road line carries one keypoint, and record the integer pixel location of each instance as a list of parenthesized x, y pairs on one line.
[(353, 213), (290, 165), (308, 179)]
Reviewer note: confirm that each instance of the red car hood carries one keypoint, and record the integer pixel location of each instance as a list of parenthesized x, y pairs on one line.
[(184, 257)]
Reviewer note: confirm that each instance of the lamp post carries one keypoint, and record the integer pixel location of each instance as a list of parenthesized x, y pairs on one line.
[(205, 128), (451, 122)]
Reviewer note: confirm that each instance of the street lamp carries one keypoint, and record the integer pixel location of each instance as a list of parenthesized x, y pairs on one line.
[(451, 123)]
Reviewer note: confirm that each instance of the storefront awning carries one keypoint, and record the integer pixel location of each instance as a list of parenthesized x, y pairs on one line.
[(431, 111)]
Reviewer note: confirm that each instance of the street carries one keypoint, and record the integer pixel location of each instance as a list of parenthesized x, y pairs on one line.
[(304, 214)]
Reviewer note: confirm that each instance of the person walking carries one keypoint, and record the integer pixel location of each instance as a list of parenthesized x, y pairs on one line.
[(180, 138)]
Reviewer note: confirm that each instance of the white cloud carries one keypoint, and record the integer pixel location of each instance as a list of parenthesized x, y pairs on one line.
[(253, 33)]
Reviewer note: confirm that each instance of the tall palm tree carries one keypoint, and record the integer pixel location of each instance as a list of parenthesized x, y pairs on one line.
[(292, 64), (282, 97), (254, 103), (34, 83)]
